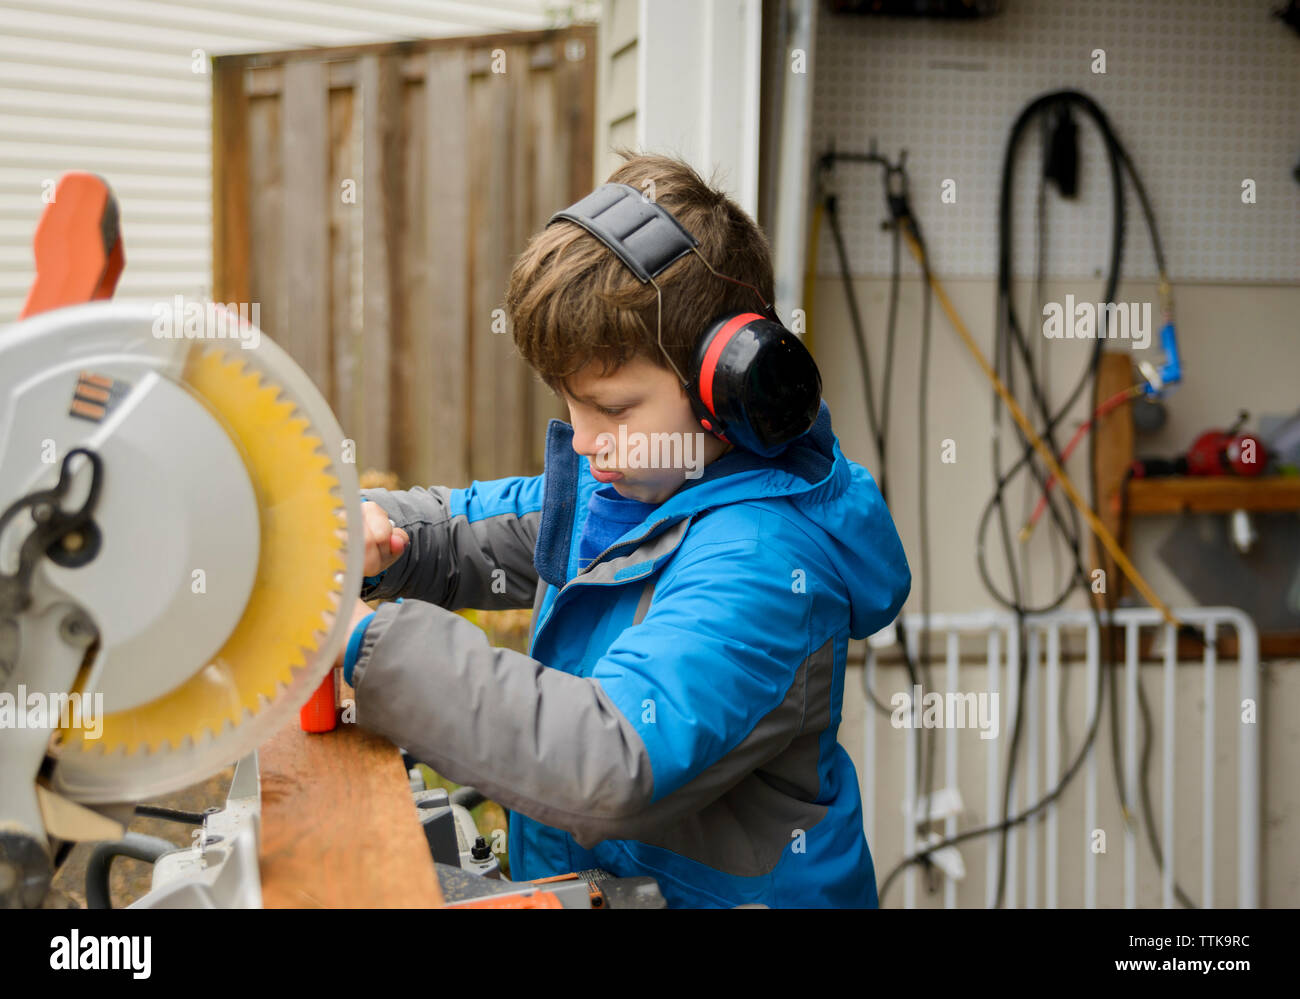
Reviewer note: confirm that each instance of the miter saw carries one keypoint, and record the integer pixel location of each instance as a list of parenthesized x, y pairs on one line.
[(177, 526)]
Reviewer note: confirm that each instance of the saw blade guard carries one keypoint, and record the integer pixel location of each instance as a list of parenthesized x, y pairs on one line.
[(227, 532)]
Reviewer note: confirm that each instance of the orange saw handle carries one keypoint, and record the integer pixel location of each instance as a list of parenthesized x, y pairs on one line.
[(78, 246)]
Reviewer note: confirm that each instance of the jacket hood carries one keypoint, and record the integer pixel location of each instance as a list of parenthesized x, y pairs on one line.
[(838, 498)]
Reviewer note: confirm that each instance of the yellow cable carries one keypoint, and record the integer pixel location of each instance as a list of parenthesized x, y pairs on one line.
[(1098, 528), (1130, 393)]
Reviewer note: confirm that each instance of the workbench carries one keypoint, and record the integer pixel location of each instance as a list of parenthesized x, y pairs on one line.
[(339, 827)]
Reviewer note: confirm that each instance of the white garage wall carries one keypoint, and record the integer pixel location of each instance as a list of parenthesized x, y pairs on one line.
[(698, 76), (120, 90)]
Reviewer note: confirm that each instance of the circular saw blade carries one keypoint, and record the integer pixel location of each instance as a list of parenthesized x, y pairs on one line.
[(288, 635)]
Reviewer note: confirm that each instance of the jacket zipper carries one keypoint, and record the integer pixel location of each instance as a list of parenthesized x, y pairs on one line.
[(578, 579)]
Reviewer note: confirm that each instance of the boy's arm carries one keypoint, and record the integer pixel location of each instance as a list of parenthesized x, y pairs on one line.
[(709, 686), (469, 547)]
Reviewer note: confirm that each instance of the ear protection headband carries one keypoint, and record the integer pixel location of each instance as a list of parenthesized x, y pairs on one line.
[(752, 382)]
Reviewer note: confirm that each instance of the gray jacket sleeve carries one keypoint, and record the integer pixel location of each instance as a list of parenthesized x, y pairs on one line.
[(566, 749), (469, 547), (540, 741)]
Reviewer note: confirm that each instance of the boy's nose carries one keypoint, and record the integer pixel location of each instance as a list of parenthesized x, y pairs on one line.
[(590, 440), (586, 436), (584, 440)]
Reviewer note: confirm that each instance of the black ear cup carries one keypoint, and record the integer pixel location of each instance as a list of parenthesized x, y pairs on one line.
[(753, 383)]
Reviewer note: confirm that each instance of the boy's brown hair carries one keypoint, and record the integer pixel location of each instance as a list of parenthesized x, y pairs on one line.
[(571, 300)]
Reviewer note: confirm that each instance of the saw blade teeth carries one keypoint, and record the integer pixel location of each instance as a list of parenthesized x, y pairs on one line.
[(297, 585)]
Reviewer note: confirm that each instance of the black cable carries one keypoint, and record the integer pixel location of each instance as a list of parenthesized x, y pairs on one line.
[(137, 846), (891, 330), (170, 814), (923, 493), (1007, 823), (1008, 329), (1009, 335), (879, 423), (864, 367), (1144, 786), (1192, 631), (902, 216), (855, 318), (1057, 160)]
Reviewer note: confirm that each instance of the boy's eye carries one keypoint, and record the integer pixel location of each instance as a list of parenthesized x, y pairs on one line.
[(618, 411)]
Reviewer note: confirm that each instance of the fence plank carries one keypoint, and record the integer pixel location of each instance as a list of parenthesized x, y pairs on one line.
[(381, 93), (306, 220), (576, 68), (441, 361), (231, 254), (411, 325), (552, 135), (345, 256), (516, 443), (545, 198), (491, 407), (266, 205)]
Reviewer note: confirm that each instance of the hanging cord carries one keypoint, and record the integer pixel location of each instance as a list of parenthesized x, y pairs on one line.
[(1052, 458), (895, 182), (1007, 823)]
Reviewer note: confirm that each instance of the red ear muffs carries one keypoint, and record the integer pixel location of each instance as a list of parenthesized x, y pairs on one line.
[(753, 383)]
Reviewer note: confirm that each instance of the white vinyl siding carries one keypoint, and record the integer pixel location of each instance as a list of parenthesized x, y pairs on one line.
[(111, 88)]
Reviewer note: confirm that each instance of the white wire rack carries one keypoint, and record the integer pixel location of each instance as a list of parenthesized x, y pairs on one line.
[(1043, 635)]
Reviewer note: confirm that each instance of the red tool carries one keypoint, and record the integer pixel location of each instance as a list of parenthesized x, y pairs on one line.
[(1227, 452), (320, 714), (1215, 452)]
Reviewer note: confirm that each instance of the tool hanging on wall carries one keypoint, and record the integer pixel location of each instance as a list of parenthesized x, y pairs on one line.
[(1214, 452)]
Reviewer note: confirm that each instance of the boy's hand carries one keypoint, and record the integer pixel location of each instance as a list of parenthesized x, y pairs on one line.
[(384, 542)]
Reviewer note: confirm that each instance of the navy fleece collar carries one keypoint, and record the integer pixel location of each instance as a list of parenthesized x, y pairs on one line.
[(809, 464)]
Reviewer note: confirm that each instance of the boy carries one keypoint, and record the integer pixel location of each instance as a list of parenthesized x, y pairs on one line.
[(676, 716)]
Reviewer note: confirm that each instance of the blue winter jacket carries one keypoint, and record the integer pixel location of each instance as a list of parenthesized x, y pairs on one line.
[(676, 715)]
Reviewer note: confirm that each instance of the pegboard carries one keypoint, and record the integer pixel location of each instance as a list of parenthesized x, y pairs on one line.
[(1203, 94)]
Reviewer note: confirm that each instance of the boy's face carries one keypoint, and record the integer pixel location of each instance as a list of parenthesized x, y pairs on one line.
[(636, 427)]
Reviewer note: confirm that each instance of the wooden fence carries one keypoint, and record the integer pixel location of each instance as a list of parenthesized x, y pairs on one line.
[(372, 199)]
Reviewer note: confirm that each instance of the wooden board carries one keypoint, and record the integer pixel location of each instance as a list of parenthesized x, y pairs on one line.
[(1214, 494), (1113, 453), (339, 827)]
